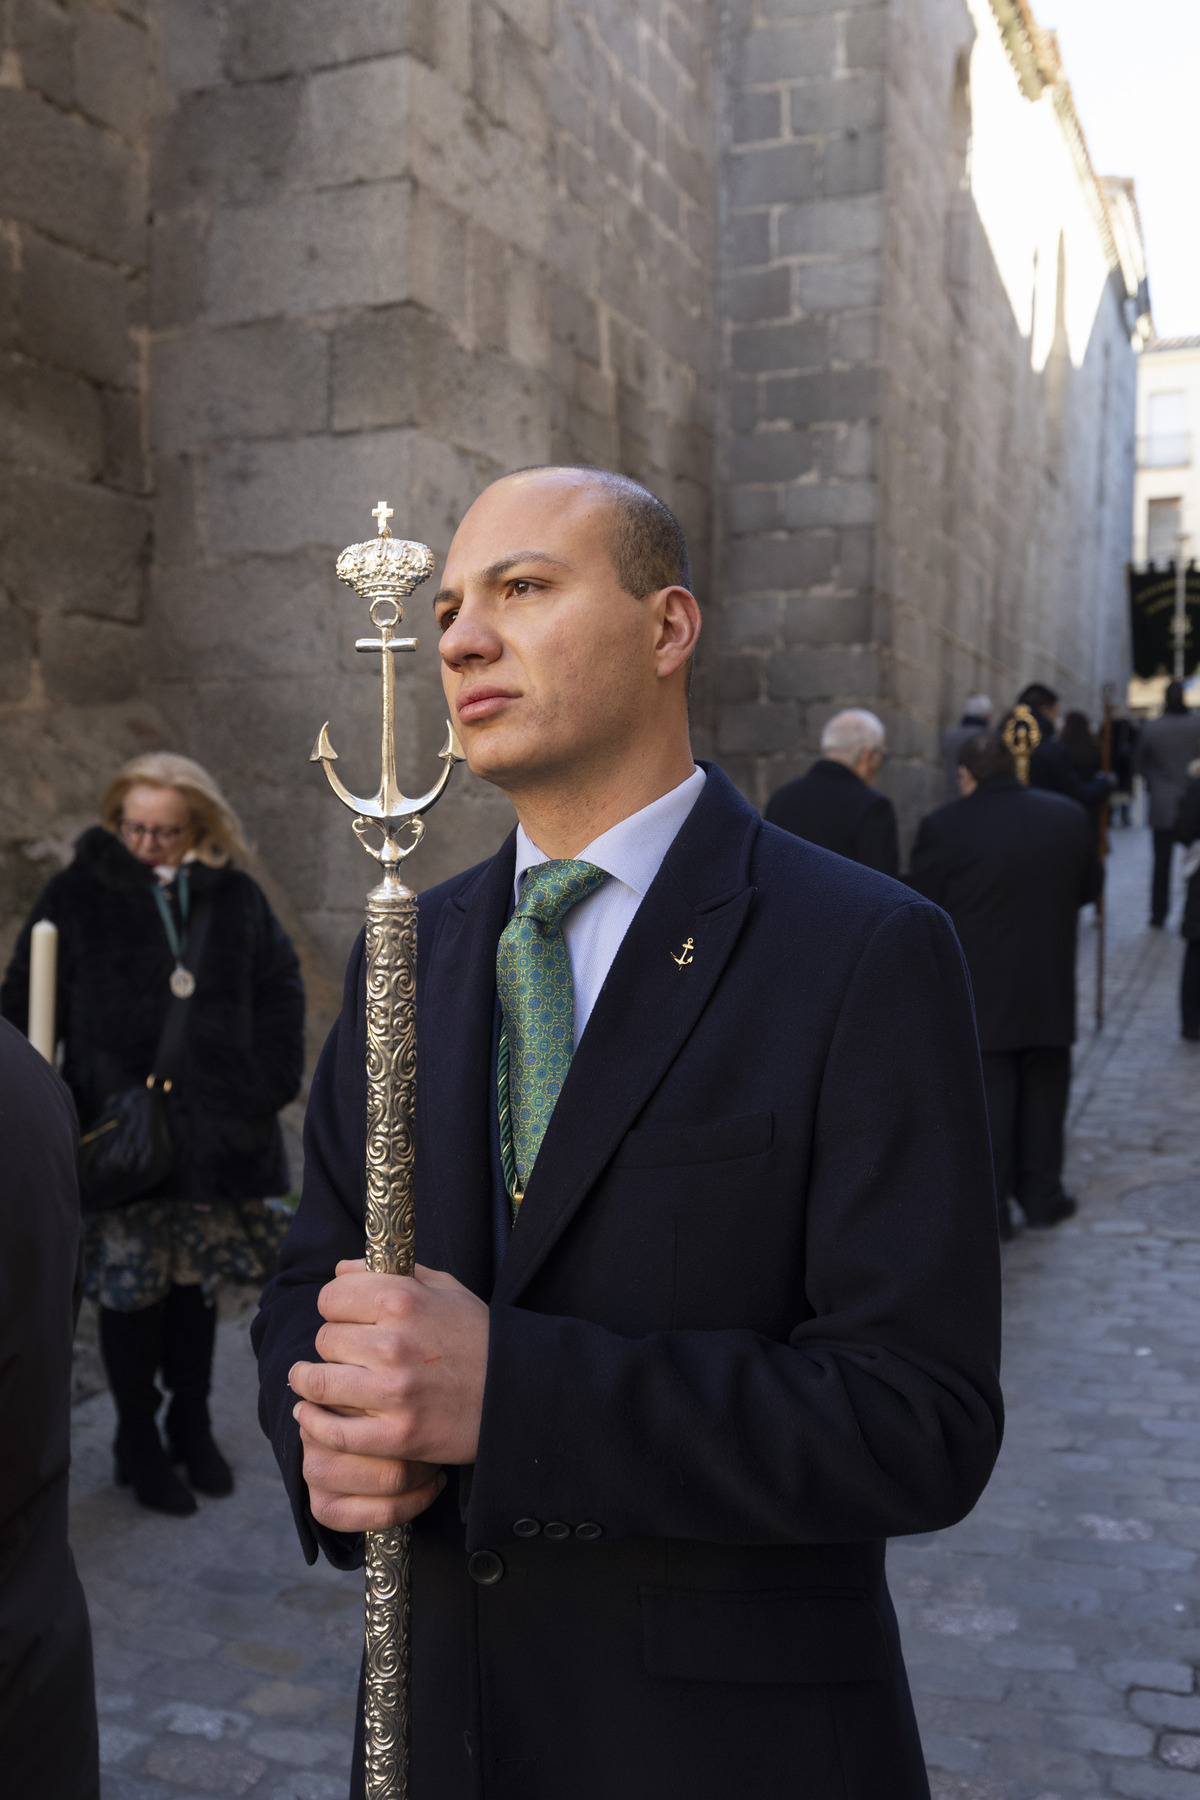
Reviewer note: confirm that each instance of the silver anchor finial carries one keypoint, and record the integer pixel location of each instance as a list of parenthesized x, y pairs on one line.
[(385, 570)]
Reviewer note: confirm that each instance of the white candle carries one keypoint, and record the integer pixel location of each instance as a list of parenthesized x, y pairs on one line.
[(43, 976)]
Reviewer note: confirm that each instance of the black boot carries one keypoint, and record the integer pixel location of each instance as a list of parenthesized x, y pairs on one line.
[(188, 1338), (131, 1344)]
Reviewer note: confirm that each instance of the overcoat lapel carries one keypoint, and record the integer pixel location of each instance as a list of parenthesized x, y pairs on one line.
[(645, 1012), (455, 1092)]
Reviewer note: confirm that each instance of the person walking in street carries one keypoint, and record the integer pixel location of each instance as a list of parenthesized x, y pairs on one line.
[(706, 1306), (1187, 832), (1165, 748), (1012, 866), (835, 804), (48, 1739), (1053, 765), (160, 935), (977, 716)]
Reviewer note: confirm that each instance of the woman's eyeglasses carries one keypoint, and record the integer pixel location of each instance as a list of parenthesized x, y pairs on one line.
[(153, 834)]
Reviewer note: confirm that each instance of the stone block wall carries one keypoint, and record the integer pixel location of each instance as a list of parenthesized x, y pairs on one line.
[(802, 292), (395, 251), (74, 513), (926, 431)]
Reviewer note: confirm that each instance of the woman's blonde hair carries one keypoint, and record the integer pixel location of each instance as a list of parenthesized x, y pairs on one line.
[(219, 831)]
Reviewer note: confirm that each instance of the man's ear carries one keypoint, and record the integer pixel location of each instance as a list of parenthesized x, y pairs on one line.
[(678, 628)]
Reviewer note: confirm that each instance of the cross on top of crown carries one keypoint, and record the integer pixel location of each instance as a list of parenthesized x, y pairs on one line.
[(382, 512)]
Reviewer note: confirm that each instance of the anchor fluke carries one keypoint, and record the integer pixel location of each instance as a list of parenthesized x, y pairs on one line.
[(323, 750)]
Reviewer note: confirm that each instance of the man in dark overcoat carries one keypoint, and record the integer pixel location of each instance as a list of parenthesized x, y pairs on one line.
[(707, 1298), (1166, 748), (1012, 866), (836, 803), (48, 1739)]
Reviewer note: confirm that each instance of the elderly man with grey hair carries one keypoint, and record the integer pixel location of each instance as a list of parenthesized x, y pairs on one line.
[(835, 804)]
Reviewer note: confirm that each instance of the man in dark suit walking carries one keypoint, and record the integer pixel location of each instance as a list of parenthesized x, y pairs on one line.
[(1012, 866), (835, 804), (707, 1302), (48, 1741)]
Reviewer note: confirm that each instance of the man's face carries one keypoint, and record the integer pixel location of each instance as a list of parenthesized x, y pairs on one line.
[(549, 664)]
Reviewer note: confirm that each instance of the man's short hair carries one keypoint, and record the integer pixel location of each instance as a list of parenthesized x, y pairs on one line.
[(986, 754), (1174, 700), (849, 733), (1037, 694), (648, 548)]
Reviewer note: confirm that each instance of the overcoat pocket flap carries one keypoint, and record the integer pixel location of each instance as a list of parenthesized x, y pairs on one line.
[(801, 1635), (720, 1140)]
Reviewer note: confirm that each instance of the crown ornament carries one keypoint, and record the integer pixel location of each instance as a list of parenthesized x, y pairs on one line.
[(384, 567)]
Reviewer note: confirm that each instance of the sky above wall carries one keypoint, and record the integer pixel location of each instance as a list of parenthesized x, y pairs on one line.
[(1135, 72)]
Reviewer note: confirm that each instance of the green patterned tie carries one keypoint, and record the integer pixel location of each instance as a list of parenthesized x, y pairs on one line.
[(537, 999)]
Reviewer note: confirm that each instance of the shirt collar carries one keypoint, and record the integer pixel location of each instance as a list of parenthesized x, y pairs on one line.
[(632, 852)]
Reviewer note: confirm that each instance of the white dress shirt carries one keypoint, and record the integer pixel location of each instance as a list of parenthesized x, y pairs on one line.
[(631, 854)]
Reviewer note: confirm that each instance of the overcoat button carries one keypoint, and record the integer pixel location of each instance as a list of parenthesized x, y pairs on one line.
[(486, 1568), (526, 1528), (556, 1531), (589, 1531)]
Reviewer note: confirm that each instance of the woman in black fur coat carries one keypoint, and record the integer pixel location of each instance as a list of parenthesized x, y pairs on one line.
[(166, 841)]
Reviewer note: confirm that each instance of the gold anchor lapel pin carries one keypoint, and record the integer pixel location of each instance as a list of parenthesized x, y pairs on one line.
[(685, 955)]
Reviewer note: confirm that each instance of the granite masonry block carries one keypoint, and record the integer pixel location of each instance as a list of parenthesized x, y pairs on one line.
[(75, 546), (78, 313), (308, 252), (267, 38), (110, 60), (787, 563), (358, 119), (42, 35), (125, 466), (757, 117), (269, 379), (50, 421), (850, 102), (192, 41), (766, 349), (805, 47), (828, 618), (227, 145), (826, 396), (771, 456), (753, 727), (748, 240), (69, 178), (867, 39), (774, 174), (831, 503), (752, 509), (853, 163), (823, 673), (831, 285), (791, 9), (837, 227), (88, 661), (177, 250), (400, 365)]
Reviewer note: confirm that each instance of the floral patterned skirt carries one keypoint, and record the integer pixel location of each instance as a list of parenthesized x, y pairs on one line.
[(133, 1254)]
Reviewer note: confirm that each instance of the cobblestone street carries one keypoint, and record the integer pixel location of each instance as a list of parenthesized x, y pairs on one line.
[(1052, 1638)]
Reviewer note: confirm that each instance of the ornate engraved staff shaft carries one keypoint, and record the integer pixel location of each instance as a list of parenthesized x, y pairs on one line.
[(385, 570)]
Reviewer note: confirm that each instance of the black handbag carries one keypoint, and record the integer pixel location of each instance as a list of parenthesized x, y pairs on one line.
[(129, 1150)]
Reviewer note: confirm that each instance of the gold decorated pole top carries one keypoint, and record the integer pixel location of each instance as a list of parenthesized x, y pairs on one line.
[(1021, 735), (385, 570)]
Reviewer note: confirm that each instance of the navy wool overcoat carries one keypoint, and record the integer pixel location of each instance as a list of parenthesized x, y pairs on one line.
[(745, 1329)]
